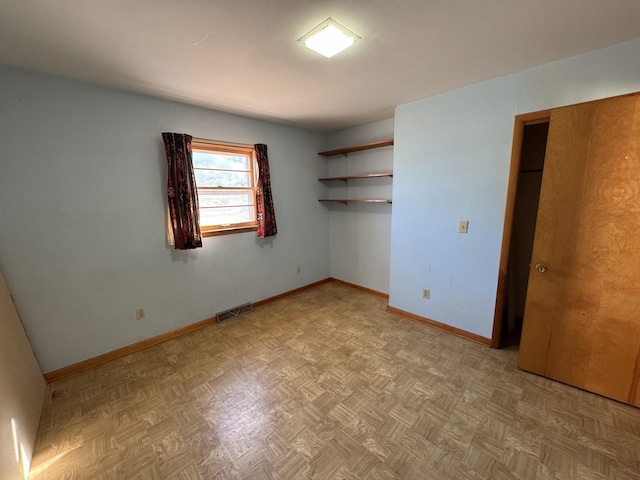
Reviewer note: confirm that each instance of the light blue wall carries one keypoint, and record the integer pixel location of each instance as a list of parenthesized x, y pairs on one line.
[(82, 215), (360, 234), (452, 154), (82, 208)]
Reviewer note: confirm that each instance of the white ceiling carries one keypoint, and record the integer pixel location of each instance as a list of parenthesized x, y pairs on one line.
[(242, 56)]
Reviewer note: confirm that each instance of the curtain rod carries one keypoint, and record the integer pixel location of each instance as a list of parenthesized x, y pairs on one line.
[(221, 142)]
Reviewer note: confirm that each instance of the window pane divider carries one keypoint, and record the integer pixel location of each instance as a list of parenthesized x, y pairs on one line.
[(248, 189), (230, 206), (221, 170)]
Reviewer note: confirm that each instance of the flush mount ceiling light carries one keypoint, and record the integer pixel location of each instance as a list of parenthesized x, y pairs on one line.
[(329, 38)]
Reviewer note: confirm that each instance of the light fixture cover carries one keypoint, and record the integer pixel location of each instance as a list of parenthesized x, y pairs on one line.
[(329, 38)]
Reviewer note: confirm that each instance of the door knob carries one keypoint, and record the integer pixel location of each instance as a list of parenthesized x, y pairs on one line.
[(541, 267)]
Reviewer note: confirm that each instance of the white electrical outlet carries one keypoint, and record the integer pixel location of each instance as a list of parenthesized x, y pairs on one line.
[(463, 226), (426, 293), (140, 314)]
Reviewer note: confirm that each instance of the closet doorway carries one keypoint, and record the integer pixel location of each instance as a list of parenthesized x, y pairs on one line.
[(531, 165), (581, 324)]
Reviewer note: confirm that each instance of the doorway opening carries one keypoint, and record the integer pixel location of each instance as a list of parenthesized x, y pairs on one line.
[(534, 143), (525, 180)]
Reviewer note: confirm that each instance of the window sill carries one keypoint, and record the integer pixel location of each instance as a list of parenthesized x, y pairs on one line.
[(228, 231)]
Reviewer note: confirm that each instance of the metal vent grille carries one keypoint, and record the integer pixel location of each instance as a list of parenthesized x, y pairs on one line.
[(234, 312)]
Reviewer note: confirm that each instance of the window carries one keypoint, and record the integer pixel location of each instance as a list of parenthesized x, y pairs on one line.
[(226, 187)]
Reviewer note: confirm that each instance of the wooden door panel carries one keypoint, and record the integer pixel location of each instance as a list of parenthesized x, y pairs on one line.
[(634, 398), (612, 375), (554, 226), (582, 316), (570, 365)]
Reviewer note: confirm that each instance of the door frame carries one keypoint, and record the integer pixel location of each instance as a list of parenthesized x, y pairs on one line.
[(520, 122)]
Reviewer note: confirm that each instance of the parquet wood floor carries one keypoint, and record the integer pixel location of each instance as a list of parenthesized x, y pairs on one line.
[(327, 385)]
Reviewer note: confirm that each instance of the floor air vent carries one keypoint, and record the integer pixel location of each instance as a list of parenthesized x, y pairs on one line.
[(234, 312)]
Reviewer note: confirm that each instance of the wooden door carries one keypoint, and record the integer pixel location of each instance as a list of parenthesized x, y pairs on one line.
[(582, 315)]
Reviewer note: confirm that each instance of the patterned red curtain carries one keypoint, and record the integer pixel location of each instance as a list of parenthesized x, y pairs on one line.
[(181, 191), (264, 200)]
